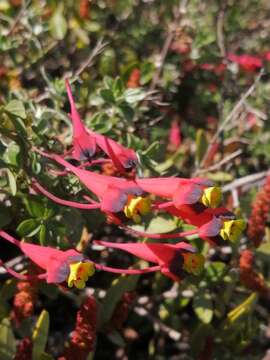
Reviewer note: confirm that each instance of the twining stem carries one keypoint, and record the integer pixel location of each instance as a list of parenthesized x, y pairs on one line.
[(21, 276), (159, 236), (81, 166), (127, 271), (56, 199)]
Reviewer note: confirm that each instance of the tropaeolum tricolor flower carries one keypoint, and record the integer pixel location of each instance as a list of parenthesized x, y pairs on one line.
[(59, 265), (213, 225), (174, 260), (115, 194), (182, 191), (86, 141), (71, 266)]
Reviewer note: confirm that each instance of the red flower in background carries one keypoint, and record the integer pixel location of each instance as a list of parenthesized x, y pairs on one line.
[(134, 78), (267, 56), (86, 141), (174, 136), (248, 63)]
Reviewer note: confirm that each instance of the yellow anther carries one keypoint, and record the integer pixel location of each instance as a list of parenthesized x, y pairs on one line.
[(193, 263), (137, 206), (211, 197), (232, 229), (79, 274)]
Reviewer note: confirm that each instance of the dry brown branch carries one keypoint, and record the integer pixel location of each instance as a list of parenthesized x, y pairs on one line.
[(253, 178), (88, 62), (230, 116), (167, 43)]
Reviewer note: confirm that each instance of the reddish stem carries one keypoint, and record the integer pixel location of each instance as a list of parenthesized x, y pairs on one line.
[(164, 205), (81, 166), (21, 276), (127, 271), (56, 199), (159, 236)]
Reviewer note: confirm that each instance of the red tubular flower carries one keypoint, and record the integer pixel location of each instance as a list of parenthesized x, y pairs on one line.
[(85, 142), (174, 136), (174, 260), (248, 63), (182, 191), (83, 337), (214, 225), (59, 265), (267, 56), (217, 69), (260, 214), (134, 78), (84, 9), (113, 192)]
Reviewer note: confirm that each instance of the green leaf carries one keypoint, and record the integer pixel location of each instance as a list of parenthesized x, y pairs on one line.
[(45, 356), (8, 289), (127, 111), (34, 206), (13, 154), (203, 306), (215, 271), (40, 335), (12, 182), (5, 216), (58, 24), (152, 149), (160, 224), (118, 87), (201, 144), (107, 95), (16, 108), (113, 295), (7, 341), (134, 95), (28, 227), (198, 338), (264, 249), (4, 308), (116, 338), (101, 122), (147, 70), (42, 234), (246, 307)]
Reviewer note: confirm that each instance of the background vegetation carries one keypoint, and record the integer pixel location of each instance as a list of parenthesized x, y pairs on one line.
[(139, 69)]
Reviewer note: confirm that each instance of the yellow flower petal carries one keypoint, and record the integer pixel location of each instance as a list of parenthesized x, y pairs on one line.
[(137, 206), (79, 274), (232, 229), (211, 196)]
